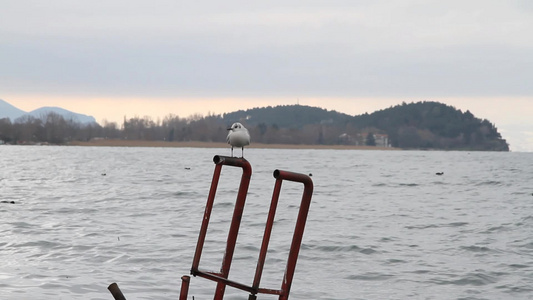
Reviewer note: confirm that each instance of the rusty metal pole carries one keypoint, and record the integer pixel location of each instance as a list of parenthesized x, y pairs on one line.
[(116, 292), (267, 234), (299, 228), (207, 215), (185, 280), (235, 221)]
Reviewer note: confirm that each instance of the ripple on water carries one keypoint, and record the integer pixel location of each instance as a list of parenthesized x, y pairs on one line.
[(477, 249), (478, 278), (370, 276), (340, 248)]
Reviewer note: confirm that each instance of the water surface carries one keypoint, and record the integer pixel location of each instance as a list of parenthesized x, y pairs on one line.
[(382, 224)]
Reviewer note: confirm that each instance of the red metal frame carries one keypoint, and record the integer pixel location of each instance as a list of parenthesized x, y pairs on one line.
[(297, 236), (222, 277)]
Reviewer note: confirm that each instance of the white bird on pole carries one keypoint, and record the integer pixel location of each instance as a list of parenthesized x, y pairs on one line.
[(238, 136)]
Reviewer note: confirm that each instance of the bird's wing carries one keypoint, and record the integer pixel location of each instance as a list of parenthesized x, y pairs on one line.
[(248, 135)]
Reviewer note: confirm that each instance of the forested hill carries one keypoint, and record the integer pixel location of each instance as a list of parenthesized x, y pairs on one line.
[(421, 125), (288, 116), (434, 125)]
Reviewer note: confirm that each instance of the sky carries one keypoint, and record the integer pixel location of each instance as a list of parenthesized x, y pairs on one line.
[(116, 59)]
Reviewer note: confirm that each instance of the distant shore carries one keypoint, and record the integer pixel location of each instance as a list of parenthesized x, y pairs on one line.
[(141, 143)]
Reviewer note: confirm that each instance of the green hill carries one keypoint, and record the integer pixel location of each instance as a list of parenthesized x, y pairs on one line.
[(287, 116), (433, 125), (421, 125)]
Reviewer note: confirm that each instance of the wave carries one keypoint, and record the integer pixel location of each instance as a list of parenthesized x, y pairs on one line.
[(478, 278), (370, 276), (489, 183), (340, 248), (452, 224)]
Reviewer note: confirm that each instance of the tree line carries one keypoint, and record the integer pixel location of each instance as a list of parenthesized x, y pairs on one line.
[(52, 128), (422, 125)]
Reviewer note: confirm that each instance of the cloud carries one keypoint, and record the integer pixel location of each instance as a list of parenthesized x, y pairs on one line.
[(291, 48)]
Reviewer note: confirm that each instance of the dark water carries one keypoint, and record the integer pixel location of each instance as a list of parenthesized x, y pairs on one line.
[(382, 225)]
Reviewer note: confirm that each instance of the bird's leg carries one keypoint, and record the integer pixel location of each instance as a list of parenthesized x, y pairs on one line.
[(231, 151), (242, 148)]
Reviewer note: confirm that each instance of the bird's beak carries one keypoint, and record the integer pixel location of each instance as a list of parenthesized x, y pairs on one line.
[(229, 128)]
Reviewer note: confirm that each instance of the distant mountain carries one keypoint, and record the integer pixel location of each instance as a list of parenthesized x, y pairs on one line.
[(11, 112), (66, 114)]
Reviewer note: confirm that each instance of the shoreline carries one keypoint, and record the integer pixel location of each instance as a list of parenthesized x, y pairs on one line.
[(192, 144)]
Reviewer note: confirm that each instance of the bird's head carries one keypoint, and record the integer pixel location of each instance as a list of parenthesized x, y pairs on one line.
[(236, 126)]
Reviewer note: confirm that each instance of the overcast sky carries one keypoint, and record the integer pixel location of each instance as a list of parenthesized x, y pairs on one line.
[(151, 58)]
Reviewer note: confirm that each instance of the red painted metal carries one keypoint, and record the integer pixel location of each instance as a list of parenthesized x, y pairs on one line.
[(207, 215), (234, 226), (185, 280), (266, 235), (222, 277), (297, 236), (116, 292), (299, 228)]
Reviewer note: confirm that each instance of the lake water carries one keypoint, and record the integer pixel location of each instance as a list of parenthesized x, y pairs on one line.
[(382, 224)]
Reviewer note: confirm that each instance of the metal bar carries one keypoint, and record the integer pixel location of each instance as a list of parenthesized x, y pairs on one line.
[(234, 226), (116, 292), (225, 281), (219, 162), (185, 280), (267, 234), (236, 219), (299, 228), (233, 161), (207, 215), (269, 291)]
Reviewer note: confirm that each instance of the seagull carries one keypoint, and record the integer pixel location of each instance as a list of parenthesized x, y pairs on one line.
[(238, 136)]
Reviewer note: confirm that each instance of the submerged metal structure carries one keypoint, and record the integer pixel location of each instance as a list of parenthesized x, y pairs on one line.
[(221, 277)]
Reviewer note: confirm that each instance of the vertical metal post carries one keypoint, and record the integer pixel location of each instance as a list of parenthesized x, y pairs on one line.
[(267, 234), (299, 228), (235, 221), (116, 292), (234, 227), (207, 215), (185, 280)]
